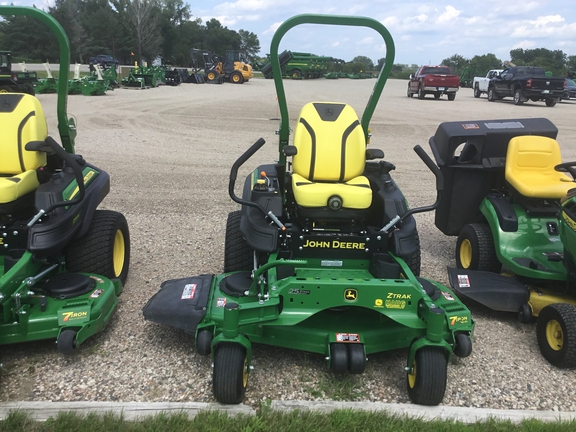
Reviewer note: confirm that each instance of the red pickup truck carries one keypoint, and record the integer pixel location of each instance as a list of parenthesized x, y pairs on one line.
[(436, 80)]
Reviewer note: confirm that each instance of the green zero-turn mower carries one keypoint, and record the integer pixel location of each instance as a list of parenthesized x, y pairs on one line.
[(62, 262), (323, 257), (509, 199)]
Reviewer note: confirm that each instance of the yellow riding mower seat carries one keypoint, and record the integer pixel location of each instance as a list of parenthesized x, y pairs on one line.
[(530, 162), (21, 121), (329, 157)]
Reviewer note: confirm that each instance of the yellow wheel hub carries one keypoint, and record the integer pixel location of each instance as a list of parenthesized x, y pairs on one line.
[(236, 78), (118, 253), (245, 373), (211, 76), (3, 90), (554, 335), (412, 376), (465, 253)]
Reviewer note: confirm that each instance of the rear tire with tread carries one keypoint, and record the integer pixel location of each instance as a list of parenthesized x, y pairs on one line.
[(238, 256), (104, 250)]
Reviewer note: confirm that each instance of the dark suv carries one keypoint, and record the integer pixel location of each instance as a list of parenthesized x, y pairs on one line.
[(104, 60)]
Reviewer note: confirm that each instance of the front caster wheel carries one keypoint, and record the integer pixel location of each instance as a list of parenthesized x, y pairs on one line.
[(427, 381), (556, 334), (204, 342), (230, 376), (463, 345), (66, 342)]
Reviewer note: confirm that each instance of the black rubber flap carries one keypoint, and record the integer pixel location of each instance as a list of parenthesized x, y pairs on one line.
[(180, 303), (498, 292), (68, 285)]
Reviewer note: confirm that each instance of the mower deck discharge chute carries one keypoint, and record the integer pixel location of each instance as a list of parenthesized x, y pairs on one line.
[(511, 202), (324, 256), (62, 261)]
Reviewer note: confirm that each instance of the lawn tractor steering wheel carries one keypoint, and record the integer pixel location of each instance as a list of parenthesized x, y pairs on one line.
[(567, 167)]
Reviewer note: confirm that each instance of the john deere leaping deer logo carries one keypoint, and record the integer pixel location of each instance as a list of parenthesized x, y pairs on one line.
[(350, 294)]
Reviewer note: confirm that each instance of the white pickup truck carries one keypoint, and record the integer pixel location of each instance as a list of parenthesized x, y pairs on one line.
[(480, 84)]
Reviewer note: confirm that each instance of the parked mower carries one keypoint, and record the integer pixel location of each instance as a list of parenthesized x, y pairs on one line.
[(513, 207), (62, 261), (323, 257)]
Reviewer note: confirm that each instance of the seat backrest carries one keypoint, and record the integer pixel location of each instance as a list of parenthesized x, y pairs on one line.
[(21, 121), (330, 143), (530, 162), (531, 155)]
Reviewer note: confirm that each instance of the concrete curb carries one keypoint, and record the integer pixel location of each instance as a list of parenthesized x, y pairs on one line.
[(41, 411), (461, 414)]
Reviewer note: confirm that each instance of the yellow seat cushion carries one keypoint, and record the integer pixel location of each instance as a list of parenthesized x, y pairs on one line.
[(330, 158), (12, 188), (530, 162), (355, 193)]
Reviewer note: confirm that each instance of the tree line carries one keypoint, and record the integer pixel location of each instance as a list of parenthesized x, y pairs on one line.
[(129, 30), (555, 61)]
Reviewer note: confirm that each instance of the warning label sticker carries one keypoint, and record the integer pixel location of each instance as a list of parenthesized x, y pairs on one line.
[(463, 281), (189, 291), (348, 337)]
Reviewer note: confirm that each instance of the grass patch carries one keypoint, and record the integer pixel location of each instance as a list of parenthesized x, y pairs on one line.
[(266, 420)]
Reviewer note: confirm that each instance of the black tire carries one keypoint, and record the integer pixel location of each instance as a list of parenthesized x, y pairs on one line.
[(66, 342), (211, 75), (477, 91), (518, 97), (491, 94), (550, 102), (204, 341), (356, 358), (451, 96), (236, 78), (475, 249), (415, 261), (238, 256), (437, 95), (525, 314), (104, 250), (296, 74), (338, 358), (421, 93), (230, 375), (30, 90), (427, 382), (556, 334), (463, 345), (409, 93)]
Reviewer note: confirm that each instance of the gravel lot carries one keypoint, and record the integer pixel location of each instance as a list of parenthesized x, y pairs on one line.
[(169, 151)]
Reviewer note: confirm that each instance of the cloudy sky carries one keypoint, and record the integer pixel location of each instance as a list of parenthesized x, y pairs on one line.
[(424, 32)]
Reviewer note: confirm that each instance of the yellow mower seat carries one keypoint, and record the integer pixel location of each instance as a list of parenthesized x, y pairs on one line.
[(21, 121), (330, 157), (530, 162)]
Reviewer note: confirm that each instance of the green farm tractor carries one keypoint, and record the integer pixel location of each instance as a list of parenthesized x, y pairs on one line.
[(512, 203), (323, 256), (62, 262)]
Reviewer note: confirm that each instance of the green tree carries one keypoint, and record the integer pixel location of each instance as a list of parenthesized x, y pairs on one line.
[(554, 61), (483, 63), (249, 45), (457, 63), (367, 64)]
